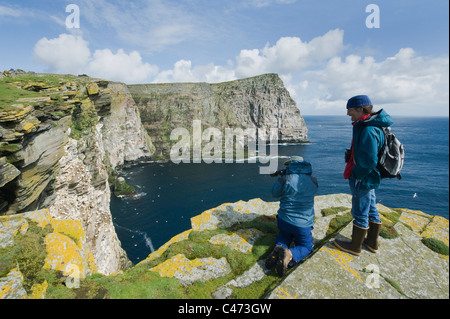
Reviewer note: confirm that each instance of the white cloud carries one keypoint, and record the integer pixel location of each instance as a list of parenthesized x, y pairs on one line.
[(65, 54), (321, 80), (120, 66), (402, 83), (71, 54), (316, 73), (183, 72), (289, 54)]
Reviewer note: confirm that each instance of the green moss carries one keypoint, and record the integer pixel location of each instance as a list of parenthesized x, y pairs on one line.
[(393, 216), (134, 283), (436, 245), (10, 148), (258, 289), (121, 188), (84, 118), (388, 231), (266, 224), (337, 223), (29, 254), (395, 285), (333, 210)]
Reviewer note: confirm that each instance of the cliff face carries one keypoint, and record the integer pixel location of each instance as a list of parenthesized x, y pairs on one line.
[(63, 137), (260, 102), (222, 256), (59, 147)]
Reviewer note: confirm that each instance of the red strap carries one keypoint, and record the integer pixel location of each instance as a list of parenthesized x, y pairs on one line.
[(349, 165)]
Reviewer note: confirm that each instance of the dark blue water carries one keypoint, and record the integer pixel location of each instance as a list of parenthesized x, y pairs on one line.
[(170, 194)]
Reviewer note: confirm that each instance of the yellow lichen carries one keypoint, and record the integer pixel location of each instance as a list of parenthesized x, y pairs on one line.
[(199, 220), (7, 290), (343, 259), (437, 229), (92, 88), (62, 254), (41, 217), (38, 291), (177, 264), (184, 235), (283, 294), (417, 220), (71, 228)]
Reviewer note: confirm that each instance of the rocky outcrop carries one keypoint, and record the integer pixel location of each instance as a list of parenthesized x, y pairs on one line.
[(404, 267), (59, 147), (124, 138), (61, 249), (222, 256), (260, 102)]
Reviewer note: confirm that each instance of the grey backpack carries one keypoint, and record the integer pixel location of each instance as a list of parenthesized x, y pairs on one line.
[(391, 156)]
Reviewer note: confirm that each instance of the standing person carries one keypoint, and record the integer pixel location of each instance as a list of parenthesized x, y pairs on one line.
[(296, 189), (361, 172)]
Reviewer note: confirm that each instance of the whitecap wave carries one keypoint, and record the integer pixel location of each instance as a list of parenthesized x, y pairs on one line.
[(147, 239)]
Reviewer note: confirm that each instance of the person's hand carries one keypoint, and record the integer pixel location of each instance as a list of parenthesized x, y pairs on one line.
[(278, 173), (348, 154)]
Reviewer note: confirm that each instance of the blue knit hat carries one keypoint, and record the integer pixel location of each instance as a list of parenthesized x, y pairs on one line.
[(358, 101)]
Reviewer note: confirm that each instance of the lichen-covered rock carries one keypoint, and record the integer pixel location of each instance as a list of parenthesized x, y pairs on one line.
[(20, 112), (229, 214), (11, 286), (8, 229), (403, 267), (62, 254), (8, 172), (242, 240), (38, 290), (92, 88), (188, 271), (65, 248)]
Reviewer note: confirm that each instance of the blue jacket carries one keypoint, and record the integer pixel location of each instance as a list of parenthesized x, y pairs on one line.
[(368, 138), (296, 189)]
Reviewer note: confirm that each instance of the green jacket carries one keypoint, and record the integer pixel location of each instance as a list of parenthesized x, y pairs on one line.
[(368, 138)]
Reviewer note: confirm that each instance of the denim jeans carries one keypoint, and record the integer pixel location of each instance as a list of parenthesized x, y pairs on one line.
[(363, 205), (302, 239)]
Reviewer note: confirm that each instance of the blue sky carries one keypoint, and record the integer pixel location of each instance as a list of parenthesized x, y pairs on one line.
[(323, 50)]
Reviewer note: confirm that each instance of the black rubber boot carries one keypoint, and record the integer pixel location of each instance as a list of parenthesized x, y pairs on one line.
[(353, 247), (371, 242)]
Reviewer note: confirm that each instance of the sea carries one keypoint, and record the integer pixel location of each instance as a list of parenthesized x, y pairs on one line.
[(170, 194)]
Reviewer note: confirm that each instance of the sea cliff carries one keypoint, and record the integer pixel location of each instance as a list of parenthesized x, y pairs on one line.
[(260, 102), (61, 140)]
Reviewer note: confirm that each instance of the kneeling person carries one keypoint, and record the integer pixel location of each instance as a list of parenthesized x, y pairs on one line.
[(296, 189)]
